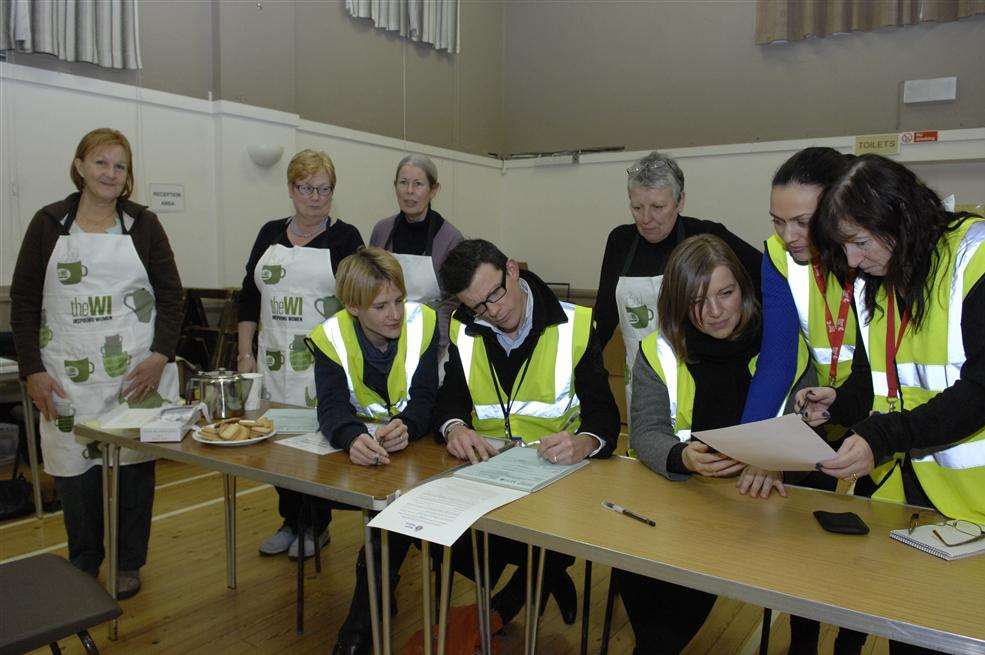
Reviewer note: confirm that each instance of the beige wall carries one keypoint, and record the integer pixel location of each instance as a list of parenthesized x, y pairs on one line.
[(674, 74), (313, 59)]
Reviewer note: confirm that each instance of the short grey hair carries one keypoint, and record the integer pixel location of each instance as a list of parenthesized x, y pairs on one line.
[(656, 171), (422, 162)]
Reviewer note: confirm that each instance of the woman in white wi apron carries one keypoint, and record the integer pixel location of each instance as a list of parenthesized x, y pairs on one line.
[(420, 238), (289, 288), (110, 296), (636, 254)]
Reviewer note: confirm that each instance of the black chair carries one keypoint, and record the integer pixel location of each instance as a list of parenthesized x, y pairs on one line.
[(45, 599)]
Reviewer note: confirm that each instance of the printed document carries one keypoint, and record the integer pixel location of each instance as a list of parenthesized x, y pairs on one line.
[(313, 442), (442, 510), (293, 421), (777, 444)]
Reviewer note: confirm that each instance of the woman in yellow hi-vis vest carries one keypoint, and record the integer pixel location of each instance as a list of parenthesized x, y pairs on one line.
[(803, 304), (376, 376), (694, 372), (920, 296)]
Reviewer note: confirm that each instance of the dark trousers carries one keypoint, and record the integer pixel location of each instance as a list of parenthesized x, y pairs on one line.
[(664, 616), (82, 505), (289, 505), (507, 602)]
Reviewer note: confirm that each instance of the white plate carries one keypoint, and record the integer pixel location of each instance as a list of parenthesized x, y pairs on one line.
[(197, 436)]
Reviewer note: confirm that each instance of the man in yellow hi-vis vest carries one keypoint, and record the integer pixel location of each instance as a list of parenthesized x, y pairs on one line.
[(376, 363), (524, 366)]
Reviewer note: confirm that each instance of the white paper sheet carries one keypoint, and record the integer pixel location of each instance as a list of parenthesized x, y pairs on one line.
[(313, 442), (293, 421), (124, 417), (440, 511), (777, 444)]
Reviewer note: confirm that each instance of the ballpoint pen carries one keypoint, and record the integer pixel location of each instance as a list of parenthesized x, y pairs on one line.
[(625, 512)]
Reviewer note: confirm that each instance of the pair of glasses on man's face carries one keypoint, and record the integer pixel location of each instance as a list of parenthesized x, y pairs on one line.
[(494, 297), (307, 190), (954, 533)]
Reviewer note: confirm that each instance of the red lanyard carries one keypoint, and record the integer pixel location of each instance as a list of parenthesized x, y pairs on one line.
[(836, 331), (893, 342)]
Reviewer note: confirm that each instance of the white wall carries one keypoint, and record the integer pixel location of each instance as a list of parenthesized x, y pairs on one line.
[(556, 217)]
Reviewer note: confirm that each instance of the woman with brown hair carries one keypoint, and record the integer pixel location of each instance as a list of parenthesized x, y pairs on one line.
[(96, 316), (693, 373)]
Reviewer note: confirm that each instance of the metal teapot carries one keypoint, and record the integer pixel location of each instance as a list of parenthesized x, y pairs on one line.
[(223, 392)]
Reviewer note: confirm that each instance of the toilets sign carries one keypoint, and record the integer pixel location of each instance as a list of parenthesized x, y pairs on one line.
[(165, 198)]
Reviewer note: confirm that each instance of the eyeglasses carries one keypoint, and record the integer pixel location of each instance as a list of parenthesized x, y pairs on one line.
[(494, 297), (958, 533), (307, 190)]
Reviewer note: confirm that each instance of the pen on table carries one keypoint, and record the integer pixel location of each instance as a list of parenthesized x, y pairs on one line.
[(914, 519), (625, 512)]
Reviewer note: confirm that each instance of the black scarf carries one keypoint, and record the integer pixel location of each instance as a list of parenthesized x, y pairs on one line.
[(720, 369)]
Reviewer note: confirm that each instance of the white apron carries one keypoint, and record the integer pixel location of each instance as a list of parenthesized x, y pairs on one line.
[(297, 293), (636, 304), (100, 310), (419, 278)]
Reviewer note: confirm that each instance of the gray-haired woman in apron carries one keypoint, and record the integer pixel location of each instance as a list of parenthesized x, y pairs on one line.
[(96, 317), (637, 253)]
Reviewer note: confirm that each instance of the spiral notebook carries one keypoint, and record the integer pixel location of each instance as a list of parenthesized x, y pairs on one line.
[(923, 538)]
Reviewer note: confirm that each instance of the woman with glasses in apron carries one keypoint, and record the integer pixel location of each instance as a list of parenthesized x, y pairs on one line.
[(420, 238), (289, 288), (96, 316), (636, 254)]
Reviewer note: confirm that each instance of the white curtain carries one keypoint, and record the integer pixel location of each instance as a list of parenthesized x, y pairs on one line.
[(427, 21), (101, 32)]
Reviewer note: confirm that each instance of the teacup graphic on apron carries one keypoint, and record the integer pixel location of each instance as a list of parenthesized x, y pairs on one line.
[(640, 316), (301, 357), (116, 361), (309, 400), (44, 333), (328, 306), (152, 400), (79, 370), (71, 272), (274, 359), (272, 273), (141, 303)]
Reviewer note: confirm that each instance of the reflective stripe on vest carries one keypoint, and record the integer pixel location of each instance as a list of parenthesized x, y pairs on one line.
[(564, 399), (668, 362), (415, 323), (799, 279)]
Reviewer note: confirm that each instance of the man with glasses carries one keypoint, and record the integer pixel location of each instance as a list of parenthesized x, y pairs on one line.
[(523, 366)]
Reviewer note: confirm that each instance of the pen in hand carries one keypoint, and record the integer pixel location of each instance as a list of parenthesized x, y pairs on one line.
[(625, 512)]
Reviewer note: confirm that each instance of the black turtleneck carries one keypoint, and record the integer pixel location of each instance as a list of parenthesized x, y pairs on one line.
[(720, 368), (414, 237)]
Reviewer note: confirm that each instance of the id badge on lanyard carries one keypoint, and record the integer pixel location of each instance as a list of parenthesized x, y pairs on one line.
[(893, 342), (836, 330)]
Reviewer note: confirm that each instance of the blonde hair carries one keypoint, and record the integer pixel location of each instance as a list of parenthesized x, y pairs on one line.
[(100, 138), (310, 162), (686, 278), (362, 275)]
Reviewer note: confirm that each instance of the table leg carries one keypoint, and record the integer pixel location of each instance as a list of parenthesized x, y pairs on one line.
[(445, 593), (586, 606), (32, 449), (112, 544), (426, 593), (536, 610), (487, 589), (764, 636), (229, 493), (316, 541), (528, 606), (374, 606), (385, 587), (301, 552), (480, 595)]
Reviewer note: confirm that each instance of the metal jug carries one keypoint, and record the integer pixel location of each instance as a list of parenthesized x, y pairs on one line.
[(223, 392)]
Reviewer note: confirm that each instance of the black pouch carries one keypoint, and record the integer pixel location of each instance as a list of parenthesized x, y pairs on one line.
[(841, 522), (15, 498)]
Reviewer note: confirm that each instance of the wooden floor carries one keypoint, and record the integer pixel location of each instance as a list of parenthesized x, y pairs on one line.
[(185, 607)]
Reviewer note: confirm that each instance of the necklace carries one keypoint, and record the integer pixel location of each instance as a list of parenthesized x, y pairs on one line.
[(318, 229)]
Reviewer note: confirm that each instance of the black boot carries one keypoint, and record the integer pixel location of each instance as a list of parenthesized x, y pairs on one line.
[(803, 636), (565, 594)]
